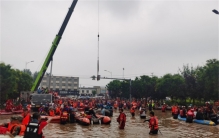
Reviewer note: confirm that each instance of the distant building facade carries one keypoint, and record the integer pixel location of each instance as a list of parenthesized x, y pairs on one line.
[(87, 91), (62, 84)]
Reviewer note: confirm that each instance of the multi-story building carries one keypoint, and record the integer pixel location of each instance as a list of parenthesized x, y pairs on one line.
[(87, 91), (62, 84)]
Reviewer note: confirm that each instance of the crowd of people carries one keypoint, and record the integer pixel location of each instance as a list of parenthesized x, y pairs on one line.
[(60, 106), (191, 112)]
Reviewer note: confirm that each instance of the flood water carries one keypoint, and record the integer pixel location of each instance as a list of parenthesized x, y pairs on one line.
[(135, 128)]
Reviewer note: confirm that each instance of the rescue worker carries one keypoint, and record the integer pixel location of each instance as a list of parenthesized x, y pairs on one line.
[(58, 110), (35, 127), (150, 108), (10, 126), (19, 129), (190, 115), (153, 124), (26, 116), (176, 112), (121, 119), (91, 112), (132, 111), (51, 112), (199, 115), (142, 111), (163, 109), (72, 116), (182, 112)]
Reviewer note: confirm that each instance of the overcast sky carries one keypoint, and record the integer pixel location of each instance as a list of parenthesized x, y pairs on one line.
[(141, 36)]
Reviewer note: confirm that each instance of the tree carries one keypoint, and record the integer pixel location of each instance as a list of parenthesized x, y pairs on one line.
[(13, 81), (27, 71), (35, 75), (115, 88), (94, 92), (7, 81)]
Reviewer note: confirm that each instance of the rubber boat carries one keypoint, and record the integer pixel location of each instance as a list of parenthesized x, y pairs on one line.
[(108, 112), (6, 136), (3, 112), (203, 122), (181, 118), (17, 112), (82, 120), (104, 119), (94, 120), (55, 119), (3, 131)]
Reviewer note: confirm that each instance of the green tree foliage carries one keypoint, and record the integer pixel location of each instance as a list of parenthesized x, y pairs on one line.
[(199, 83), (94, 93), (12, 82)]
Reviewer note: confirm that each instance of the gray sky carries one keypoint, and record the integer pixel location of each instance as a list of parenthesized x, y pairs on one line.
[(141, 36)]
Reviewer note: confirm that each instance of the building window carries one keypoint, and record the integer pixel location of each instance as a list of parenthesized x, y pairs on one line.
[(87, 91), (63, 84), (69, 84), (82, 91)]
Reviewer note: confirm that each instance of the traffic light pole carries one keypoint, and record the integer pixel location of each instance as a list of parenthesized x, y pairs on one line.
[(130, 84)]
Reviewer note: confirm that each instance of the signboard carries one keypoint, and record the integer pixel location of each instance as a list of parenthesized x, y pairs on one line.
[(65, 93)]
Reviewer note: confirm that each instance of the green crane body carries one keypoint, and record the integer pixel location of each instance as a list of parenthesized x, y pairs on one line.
[(53, 47)]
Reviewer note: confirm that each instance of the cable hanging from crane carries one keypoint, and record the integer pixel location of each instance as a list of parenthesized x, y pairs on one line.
[(98, 76)]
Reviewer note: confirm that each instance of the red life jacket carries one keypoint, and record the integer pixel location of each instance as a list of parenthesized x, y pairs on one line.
[(119, 118), (176, 111), (51, 112), (163, 108), (22, 130), (11, 127), (181, 112), (190, 113), (132, 110), (153, 123)]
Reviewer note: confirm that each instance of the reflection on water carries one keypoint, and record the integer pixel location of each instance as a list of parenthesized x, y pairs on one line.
[(135, 128)]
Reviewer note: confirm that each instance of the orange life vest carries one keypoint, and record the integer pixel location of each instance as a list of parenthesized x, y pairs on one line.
[(22, 129), (176, 111), (58, 111), (132, 110), (51, 112), (10, 126), (153, 123), (81, 105)]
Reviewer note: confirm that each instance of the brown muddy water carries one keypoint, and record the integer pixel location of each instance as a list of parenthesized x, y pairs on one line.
[(135, 128)]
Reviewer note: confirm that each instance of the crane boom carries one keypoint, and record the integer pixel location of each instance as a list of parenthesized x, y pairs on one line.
[(53, 47)]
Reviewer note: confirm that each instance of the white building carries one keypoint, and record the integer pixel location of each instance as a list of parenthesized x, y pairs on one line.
[(63, 84)]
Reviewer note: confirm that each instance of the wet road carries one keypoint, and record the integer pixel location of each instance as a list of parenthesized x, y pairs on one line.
[(135, 128)]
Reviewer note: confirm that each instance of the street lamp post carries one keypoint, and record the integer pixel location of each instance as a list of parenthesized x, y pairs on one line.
[(109, 72), (216, 12), (27, 63)]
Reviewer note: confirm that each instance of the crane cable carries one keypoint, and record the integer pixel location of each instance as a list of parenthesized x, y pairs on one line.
[(98, 43)]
